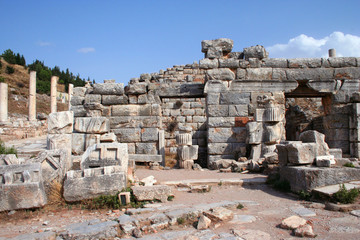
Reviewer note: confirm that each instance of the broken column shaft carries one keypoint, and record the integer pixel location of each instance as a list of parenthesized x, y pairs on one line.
[(53, 103), (32, 96), (3, 102)]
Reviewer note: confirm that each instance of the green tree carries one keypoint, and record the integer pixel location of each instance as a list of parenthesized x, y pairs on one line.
[(9, 56)]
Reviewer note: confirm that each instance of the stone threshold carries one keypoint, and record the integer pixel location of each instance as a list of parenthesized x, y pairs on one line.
[(226, 181)]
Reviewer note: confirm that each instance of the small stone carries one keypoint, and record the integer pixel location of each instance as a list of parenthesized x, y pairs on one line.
[(305, 231), (303, 212), (292, 222), (355, 213), (149, 181), (203, 223), (12, 212), (219, 214), (137, 233)]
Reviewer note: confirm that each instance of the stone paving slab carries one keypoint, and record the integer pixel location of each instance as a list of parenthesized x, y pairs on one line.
[(233, 181), (331, 189)]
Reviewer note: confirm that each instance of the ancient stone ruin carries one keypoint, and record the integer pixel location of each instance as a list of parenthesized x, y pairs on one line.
[(229, 111)]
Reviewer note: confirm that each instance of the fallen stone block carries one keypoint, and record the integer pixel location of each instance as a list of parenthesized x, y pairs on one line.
[(93, 229), (106, 154), (21, 187), (218, 214), (93, 182), (92, 125), (224, 44), (109, 88), (314, 136), (203, 223), (301, 153), (257, 51), (148, 193), (148, 181), (305, 231), (60, 122), (8, 159), (325, 161), (292, 222)]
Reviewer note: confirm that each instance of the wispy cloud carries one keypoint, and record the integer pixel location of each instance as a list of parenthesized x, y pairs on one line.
[(86, 50), (346, 45), (44, 44)]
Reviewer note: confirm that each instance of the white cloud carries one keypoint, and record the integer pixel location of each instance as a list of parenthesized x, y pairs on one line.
[(86, 50), (346, 45), (44, 44)]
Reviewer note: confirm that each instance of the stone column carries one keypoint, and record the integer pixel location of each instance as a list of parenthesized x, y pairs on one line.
[(3, 102), (162, 145), (32, 96), (53, 104), (332, 52), (70, 93)]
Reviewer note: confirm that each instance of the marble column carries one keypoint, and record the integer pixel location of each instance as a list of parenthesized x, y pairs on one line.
[(3, 102), (53, 104), (32, 96), (71, 91), (332, 52)]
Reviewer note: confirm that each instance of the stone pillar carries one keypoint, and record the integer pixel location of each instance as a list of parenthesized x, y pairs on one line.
[(32, 96), (71, 91), (3, 102), (53, 104), (332, 52), (162, 145)]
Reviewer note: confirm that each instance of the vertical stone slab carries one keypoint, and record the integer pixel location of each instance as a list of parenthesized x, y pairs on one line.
[(53, 105), (32, 96), (70, 93), (162, 145), (3, 102)]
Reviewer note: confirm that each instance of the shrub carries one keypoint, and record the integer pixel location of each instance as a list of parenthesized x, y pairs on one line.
[(0, 64), (282, 185), (2, 79), (240, 206), (10, 70), (180, 220), (304, 195), (346, 196), (349, 164), (6, 150)]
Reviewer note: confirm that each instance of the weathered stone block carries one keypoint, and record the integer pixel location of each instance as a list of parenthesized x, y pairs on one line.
[(324, 161), (78, 143), (240, 74), (106, 154), (220, 74), (183, 139), (279, 74), (221, 121), (114, 99), (92, 98), (275, 63), (227, 135), (258, 52), (131, 110), (79, 111), (109, 88), (225, 44), (60, 122), (128, 134), (79, 91), (254, 132), (258, 73), (207, 63), (188, 152), (21, 187), (9, 159), (135, 122), (60, 141), (214, 52), (228, 63), (91, 139), (215, 86), (93, 182), (312, 136), (149, 134), (136, 88), (340, 62), (149, 193), (273, 114), (347, 73), (301, 153), (218, 110), (264, 85), (145, 158), (310, 74), (146, 148), (273, 133), (75, 100), (227, 149), (238, 110), (234, 98), (92, 125), (108, 137), (305, 63)]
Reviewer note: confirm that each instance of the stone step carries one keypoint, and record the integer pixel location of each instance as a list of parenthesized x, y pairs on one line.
[(218, 181), (331, 189)]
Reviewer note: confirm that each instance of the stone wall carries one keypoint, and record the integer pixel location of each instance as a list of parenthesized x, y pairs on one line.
[(17, 128), (217, 97)]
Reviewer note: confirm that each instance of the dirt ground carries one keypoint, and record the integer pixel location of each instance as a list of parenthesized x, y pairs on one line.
[(269, 207)]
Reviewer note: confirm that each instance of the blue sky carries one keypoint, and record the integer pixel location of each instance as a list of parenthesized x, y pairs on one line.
[(122, 39)]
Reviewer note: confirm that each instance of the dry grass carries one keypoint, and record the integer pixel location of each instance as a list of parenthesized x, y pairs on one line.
[(170, 160), (55, 194)]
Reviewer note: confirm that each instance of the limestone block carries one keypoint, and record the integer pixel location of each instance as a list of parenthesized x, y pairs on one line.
[(218, 111), (131, 110), (238, 110), (282, 154), (347, 73), (240, 73), (258, 73), (135, 122), (264, 85), (186, 164), (188, 152), (310, 74), (92, 98), (60, 122), (114, 99), (273, 133), (218, 214), (149, 134), (149, 193), (108, 137), (146, 148), (293, 222), (92, 125), (79, 91), (78, 143), (203, 223), (54, 164), (21, 187), (79, 111), (234, 98), (324, 161), (223, 135), (109, 88), (91, 139), (254, 132), (59, 141), (272, 114), (215, 86), (207, 63), (128, 135), (225, 44), (301, 153), (145, 158), (92, 182), (106, 154), (229, 63), (336, 152), (9, 159), (313, 136), (279, 74), (274, 63), (136, 88), (76, 100), (327, 86), (221, 122), (220, 74), (304, 63), (257, 51), (183, 139), (214, 52), (226, 148)]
